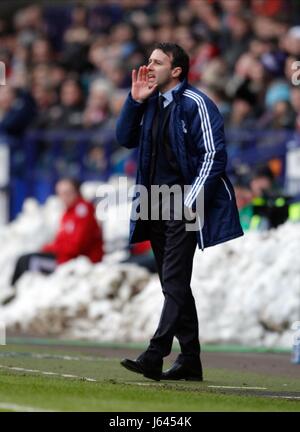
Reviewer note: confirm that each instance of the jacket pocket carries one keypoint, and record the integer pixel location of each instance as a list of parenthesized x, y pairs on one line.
[(227, 188)]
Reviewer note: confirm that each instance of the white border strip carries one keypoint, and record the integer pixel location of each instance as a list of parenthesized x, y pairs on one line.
[(19, 369), (238, 388), (209, 147), (21, 408), (208, 143), (230, 197)]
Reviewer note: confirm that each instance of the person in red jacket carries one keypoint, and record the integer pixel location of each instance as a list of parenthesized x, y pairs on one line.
[(79, 234), (141, 254)]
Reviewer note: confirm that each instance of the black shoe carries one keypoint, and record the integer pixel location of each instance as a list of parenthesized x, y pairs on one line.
[(182, 372), (142, 367)]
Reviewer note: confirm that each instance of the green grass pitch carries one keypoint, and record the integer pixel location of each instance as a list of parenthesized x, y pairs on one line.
[(61, 379)]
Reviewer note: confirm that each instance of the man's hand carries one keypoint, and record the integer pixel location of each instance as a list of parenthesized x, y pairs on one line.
[(141, 89)]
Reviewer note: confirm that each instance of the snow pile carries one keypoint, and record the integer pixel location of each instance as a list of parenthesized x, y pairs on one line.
[(247, 291), (115, 215), (35, 226), (79, 300)]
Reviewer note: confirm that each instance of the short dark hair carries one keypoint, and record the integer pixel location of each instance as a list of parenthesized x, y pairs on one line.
[(179, 57)]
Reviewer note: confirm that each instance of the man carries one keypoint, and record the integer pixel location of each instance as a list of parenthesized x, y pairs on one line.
[(262, 181), (17, 110), (79, 234), (180, 142)]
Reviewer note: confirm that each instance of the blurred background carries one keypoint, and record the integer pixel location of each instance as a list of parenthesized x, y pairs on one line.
[(68, 69)]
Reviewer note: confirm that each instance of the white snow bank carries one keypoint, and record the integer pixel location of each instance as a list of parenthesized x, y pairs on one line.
[(247, 291)]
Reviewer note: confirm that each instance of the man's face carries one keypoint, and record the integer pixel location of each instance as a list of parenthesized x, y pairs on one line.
[(67, 193), (70, 94), (160, 70)]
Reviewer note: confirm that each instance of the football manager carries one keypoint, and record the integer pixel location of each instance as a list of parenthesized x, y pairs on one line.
[(180, 135)]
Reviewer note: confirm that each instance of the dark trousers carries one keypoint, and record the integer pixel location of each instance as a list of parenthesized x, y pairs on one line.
[(174, 249), (42, 262)]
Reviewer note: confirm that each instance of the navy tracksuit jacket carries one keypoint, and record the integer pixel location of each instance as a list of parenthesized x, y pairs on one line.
[(196, 134)]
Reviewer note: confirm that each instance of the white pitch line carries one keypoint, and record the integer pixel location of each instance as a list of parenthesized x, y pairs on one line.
[(238, 388), (19, 369), (211, 386), (69, 376), (21, 408), (144, 383), (224, 387), (286, 397), (54, 357)]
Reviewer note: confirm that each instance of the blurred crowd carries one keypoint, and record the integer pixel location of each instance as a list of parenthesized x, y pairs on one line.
[(68, 67), (71, 64), (68, 64)]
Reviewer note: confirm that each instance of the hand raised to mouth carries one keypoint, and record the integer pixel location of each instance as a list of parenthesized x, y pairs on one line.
[(141, 88)]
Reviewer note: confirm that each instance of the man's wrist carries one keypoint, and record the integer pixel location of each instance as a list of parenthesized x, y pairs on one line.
[(138, 100)]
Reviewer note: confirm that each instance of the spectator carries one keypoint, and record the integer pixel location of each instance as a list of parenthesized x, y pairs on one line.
[(291, 41), (68, 114), (262, 181), (116, 102), (95, 162), (270, 207), (41, 51), (280, 116), (76, 41), (236, 39), (288, 68), (17, 110), (45, 98), (79, 234), (97, 109), (295, 101), (29, 24), (279, 113), (142, 255), (243, 114), (266, 7)]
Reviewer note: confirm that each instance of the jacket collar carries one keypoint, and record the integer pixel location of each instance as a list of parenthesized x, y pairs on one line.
[(176, 93), (169, 94)]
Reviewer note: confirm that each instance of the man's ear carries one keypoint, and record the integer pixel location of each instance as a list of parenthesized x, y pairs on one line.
[(176, 72)]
